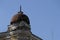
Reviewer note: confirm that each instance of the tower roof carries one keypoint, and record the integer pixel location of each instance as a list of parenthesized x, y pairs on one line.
[(20, 16)]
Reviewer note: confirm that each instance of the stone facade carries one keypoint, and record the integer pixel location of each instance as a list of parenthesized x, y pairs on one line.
[(18, 35)]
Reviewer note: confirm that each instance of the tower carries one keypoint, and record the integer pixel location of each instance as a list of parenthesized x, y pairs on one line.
[(19, 29)]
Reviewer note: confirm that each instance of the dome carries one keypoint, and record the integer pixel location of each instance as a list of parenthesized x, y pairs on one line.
[(20, 17)]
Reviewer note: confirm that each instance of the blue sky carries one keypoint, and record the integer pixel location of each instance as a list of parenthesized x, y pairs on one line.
[(44, 16)]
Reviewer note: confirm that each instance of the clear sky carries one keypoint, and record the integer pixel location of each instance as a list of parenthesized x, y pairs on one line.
[(44, 16)]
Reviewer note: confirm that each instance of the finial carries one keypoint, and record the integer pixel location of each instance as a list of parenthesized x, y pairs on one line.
[(20, 8)]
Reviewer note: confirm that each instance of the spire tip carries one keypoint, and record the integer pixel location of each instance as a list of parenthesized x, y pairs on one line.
[(20, 8)]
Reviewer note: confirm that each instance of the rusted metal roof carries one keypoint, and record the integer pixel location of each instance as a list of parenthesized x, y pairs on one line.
[(20, 17)]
